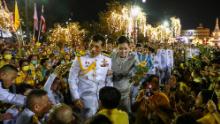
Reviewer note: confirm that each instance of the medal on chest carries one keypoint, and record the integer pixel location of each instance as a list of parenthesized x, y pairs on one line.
[(104, 63), (87, 63)]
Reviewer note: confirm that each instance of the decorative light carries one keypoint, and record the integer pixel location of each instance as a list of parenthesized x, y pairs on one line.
[(166, 23), (135, 11), (70, 33)]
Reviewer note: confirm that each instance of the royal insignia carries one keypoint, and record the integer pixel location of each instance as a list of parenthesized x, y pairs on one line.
[(90, 67), (104, 63)]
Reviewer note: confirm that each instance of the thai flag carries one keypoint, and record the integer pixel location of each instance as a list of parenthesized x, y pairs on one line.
[(35, 18), (43, 22)]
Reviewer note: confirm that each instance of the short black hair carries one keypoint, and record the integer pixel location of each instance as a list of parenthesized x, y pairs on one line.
[(98, 38), (44, 60), (122, 39), (151, 49), (149, 81), (31, 56), (186, 119), (100, 119), (7, 68), (209, 95), (22, 61), (22, 88), (146, 46), (138, 45), (109, 97), (35, 93), (4, 50)]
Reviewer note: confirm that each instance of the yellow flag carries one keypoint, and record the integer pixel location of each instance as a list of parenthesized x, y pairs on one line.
[(17, 17)]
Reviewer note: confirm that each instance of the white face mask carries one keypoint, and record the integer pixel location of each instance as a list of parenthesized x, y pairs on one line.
[(62, 62)]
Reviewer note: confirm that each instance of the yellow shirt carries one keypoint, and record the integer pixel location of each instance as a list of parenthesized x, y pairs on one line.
[(2, 63), (22, 77), (207, 119), (116, 116)]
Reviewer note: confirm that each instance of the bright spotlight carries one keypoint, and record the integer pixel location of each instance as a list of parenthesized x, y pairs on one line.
[(166, 23), (135, 11)]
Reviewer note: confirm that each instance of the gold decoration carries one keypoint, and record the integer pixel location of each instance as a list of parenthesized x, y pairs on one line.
[(68, 34), (120, 19), (5, 19), (62, 69), (88, 69)]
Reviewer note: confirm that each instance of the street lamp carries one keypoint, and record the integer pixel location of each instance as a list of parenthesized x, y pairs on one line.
[(166, 23), (135, 10)]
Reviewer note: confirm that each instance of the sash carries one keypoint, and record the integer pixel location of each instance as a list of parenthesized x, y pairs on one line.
[(88, 69)]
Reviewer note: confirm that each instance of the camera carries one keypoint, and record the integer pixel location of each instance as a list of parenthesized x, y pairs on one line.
[(148, 91)]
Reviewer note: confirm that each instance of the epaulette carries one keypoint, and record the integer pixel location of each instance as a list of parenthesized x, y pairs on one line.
[(106, 54)]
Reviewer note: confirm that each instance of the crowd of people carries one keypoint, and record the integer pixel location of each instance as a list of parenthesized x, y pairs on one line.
[(99, 83)]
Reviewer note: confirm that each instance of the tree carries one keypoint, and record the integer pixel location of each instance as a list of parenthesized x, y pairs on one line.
[(71, 34), (119, 19), (111, 21)]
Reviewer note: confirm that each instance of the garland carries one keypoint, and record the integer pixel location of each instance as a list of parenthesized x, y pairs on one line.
[(86, 70)]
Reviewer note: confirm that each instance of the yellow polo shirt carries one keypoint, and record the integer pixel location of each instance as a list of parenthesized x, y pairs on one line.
[(21, 78), (115, 115), (207, 119)]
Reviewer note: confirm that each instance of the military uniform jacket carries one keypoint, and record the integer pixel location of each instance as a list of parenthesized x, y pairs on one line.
[(165, 58), (85, 80)]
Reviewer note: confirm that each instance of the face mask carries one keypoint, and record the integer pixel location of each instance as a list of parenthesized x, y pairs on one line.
[(8, 56), (62, 62), (25, 68), (34, 62)]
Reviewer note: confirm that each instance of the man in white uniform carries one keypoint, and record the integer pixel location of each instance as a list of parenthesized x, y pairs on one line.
[(166, 64), (8, 74), (170, 63), (88, 75)]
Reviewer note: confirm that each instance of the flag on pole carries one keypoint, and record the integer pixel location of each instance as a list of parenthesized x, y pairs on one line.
[(17, 17), (43, 21), (42, 27), (35, 18)]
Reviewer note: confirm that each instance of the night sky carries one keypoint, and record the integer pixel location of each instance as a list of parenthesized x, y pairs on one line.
[(191, 12)]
